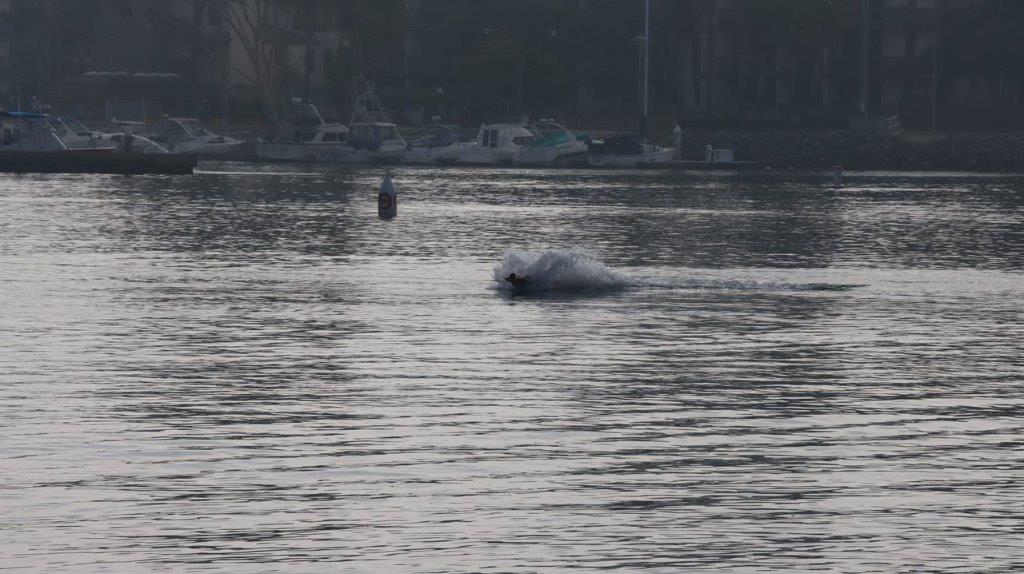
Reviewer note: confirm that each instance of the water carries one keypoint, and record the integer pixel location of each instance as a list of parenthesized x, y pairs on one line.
[(247, 371)]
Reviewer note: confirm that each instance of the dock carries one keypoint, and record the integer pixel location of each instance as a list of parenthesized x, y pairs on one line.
[(710, 165), (96, 161)]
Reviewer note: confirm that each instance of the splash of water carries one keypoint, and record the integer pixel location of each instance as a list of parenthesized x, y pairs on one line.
[(576, 269), (560, 269)]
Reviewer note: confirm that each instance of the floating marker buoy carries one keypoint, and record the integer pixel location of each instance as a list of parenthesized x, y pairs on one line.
[(837, 176), (387, 199)]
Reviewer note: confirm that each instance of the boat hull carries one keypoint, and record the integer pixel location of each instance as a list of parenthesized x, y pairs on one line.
[(325, 153), (633, 160)]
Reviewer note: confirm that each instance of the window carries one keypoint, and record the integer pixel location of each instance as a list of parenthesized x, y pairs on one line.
[(522, 140), (330, 137), (494, 138), (485, 138), (11, 136)]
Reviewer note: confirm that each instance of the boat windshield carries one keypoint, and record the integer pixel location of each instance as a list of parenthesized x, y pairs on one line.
[(59, 127), (77, 127), (439, 136), (196, 128), (550, 134)]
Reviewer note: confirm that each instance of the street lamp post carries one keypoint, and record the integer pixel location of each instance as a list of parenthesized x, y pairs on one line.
[(522, 59)]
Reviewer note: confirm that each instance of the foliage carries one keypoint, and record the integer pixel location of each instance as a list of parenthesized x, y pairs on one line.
[(253, 23)]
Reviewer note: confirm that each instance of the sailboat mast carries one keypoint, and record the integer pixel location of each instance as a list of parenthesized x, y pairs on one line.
[(647, 67)]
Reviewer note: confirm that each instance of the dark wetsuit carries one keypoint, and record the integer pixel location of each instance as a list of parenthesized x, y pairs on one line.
[(517, 280)]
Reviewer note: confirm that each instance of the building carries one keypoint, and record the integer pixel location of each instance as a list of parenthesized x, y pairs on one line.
[(115, 58), (6, 78)]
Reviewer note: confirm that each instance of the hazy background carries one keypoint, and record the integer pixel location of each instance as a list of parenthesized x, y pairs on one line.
[(937, 64)]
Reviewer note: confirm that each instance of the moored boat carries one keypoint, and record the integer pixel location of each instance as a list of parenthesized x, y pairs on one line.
[(438, 146), (306, 137), (553, 145), (187, 135), (495, 144), (28, 131), (626, 151)]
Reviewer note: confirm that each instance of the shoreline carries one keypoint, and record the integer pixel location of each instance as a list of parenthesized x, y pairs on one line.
[(820, 150)]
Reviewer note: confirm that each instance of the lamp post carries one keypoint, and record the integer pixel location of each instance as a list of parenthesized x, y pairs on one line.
[(522, 68)]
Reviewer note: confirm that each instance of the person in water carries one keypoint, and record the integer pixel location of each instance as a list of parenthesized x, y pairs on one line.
[(517, 280)]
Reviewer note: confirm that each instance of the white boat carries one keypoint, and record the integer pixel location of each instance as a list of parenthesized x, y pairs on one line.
[(373, 137), (76, 135), (306, 137), (187, 135), (26, 131), (370, 138), (137, 143), (438, 146), (375, 142), (553, 145), (495, 144)]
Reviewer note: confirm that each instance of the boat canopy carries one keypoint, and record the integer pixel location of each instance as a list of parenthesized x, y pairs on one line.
[(22, 115), (440, 136), (626, 144)]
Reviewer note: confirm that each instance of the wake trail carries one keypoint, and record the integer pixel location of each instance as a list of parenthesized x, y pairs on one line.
[(577, 270)]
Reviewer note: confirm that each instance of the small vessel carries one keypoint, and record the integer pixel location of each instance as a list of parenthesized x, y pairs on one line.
[(137, 143), (495, 144), (373, 138), (187, 135), (306, 137), (553, 145), (76, 135), (519, 282), (28, 131), (626, 151), (438, 146), (30, 144)]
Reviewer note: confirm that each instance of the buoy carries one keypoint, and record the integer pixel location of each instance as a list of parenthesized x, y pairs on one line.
[(837, 176), (387, 199)]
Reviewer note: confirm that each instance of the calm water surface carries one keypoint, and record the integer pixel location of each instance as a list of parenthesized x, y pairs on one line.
[(246, 371)]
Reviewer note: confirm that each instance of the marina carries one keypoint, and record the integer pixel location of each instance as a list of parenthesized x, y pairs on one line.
[(35, 141)]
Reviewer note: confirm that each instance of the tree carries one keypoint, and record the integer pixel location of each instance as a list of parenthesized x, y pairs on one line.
[(255, 24)]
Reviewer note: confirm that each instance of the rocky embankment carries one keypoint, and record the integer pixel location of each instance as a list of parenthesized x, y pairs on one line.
[(823, 149)]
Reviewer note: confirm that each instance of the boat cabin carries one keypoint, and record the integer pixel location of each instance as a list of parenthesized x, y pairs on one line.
[(550, 133), (503, 136), (25, 131), (440, 136), (304, 124), (376, 136)]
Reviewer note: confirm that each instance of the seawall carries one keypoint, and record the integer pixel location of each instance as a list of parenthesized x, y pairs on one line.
[(1002, 152)]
